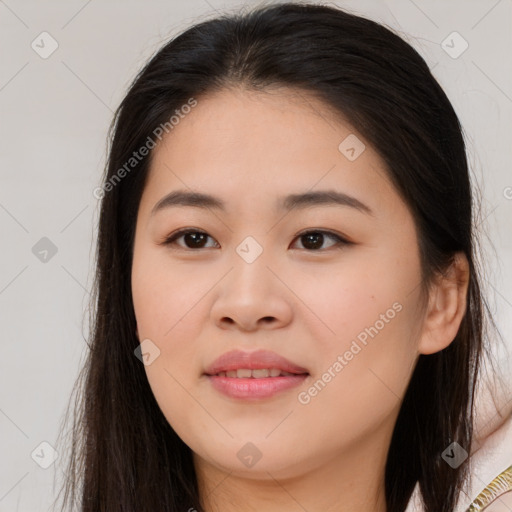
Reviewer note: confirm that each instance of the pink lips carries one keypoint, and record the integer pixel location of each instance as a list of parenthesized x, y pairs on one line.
[(252, 360), (253, 388)]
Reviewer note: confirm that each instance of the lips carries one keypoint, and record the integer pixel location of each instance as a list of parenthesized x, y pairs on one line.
[(257, 360)]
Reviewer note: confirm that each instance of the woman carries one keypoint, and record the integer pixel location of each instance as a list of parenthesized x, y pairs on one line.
[(288, 309)]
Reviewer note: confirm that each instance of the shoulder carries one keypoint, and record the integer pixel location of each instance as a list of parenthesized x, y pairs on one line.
[(491, 488), (497, 496)]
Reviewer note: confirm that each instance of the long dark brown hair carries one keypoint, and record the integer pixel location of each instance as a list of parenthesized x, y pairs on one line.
[(124, 455)]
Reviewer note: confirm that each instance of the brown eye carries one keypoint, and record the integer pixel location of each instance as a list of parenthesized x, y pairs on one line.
[(313, 240), (193, 239)]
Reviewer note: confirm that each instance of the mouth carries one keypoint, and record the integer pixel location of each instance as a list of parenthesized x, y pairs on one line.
[(254, 375), (256, 364), (255, 388), (258, 373)]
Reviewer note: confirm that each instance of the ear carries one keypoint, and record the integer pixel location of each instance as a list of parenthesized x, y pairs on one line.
[(446, 307)]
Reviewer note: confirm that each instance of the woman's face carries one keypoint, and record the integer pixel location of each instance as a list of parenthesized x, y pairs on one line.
[(266, 271)]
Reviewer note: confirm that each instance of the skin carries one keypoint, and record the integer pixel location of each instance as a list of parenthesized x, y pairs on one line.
[(308, 305)]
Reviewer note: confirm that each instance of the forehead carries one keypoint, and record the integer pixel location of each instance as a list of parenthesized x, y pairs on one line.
[(245, 145), (239, 122)]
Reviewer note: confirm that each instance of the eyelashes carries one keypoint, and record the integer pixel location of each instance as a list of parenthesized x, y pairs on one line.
[(312, 237)]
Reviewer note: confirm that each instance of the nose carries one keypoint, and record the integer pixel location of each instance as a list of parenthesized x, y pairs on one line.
[(252, 296)]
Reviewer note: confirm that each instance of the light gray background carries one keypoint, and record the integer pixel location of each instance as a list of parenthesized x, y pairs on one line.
[(53, 124)]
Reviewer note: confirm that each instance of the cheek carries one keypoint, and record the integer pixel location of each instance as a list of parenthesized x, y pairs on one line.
[(351, 297), (164, 293), (362, 377), (168, 313), (368, 316), (167, 304), (166, 316)]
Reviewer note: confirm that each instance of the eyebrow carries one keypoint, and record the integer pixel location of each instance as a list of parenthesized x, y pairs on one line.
[(301, 201)]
